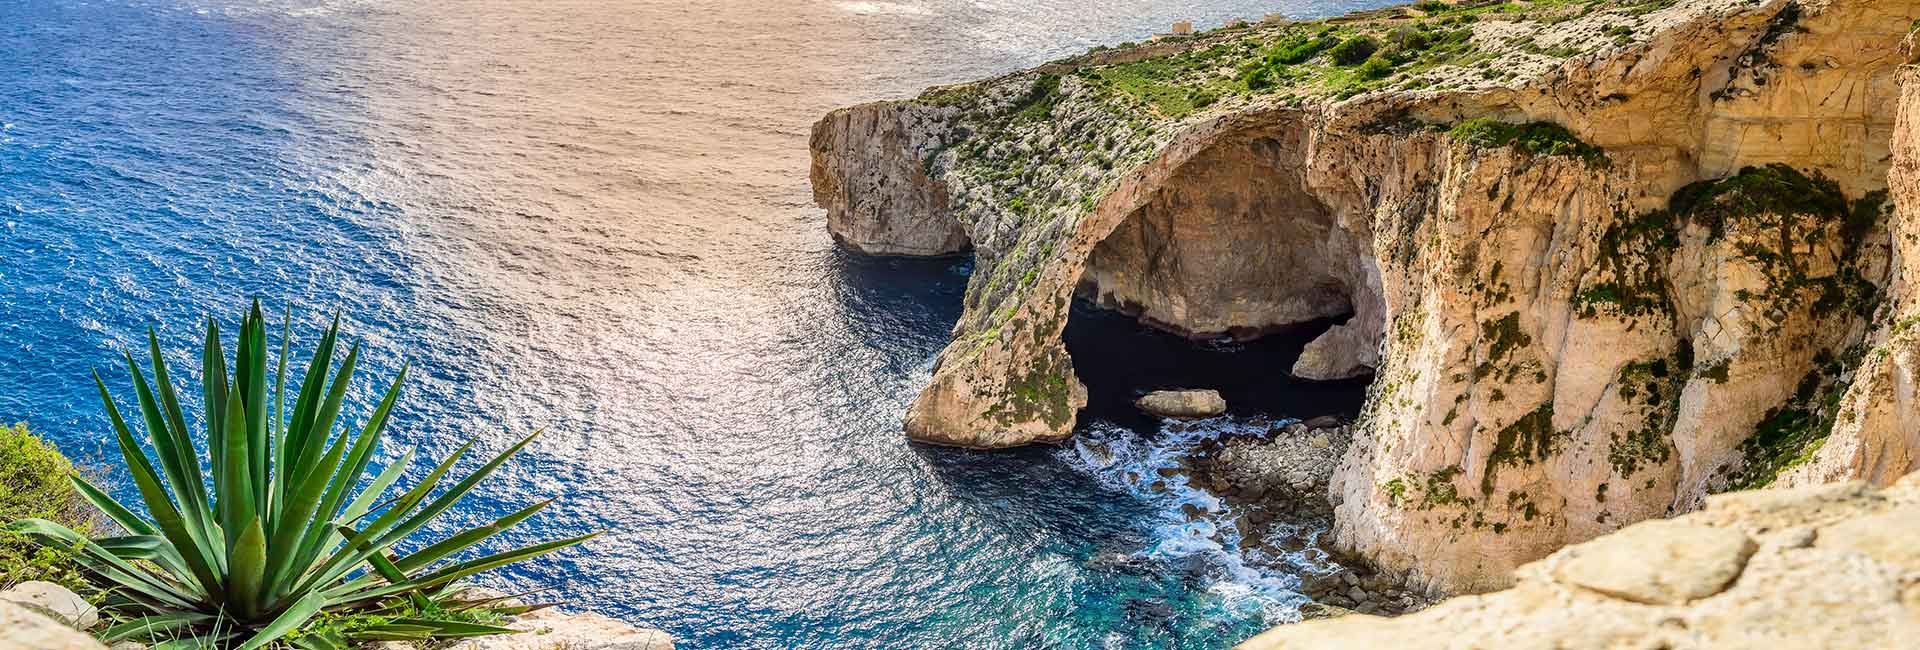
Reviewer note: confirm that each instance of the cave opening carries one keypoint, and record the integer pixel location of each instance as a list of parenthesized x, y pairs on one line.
[(1232, 244), (1119, 359), (1220, 280)]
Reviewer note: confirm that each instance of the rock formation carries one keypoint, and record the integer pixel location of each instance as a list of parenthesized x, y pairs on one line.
[(1815, 567), (1603, 259), (54, 601), (554, 630), (30, 629), (1183, 403)]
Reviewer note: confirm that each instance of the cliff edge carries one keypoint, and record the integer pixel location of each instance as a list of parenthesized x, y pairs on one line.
[(1820, 567)]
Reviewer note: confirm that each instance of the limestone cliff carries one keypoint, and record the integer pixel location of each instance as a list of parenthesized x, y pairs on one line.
[(1603, 258), (1819, 567)]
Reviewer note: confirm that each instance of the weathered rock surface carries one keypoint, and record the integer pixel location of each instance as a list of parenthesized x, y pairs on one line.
[(1659, 562), (554, 630), (1784, 568), (1183, 403), (1874, 433), (24, 628), (55, 601), (1701, 286), (866, 170)]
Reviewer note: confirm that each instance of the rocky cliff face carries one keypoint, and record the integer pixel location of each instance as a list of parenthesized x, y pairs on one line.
[(1603, 259)]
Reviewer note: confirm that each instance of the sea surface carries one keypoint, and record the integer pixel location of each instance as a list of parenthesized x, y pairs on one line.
[(593, 218)]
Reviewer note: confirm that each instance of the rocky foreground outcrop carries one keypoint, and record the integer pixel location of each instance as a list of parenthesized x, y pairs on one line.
[(26, 628), (1830, 566), (1603, 259), (43, 616)]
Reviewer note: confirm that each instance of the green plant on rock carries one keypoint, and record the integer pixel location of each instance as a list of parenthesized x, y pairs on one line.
[(1375, 68), (1354, 50), (1533, 139), (282, 541)]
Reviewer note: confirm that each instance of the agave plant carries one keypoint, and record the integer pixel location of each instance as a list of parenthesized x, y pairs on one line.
[(287, 534)]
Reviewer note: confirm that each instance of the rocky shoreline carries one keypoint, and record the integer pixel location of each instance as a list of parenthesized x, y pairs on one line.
[(1280, 475)]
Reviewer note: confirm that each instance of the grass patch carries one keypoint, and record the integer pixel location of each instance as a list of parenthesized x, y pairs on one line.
[(1794, 431)]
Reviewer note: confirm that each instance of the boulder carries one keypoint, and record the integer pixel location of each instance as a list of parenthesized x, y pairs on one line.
[(1322, 422), (55, 601), (24, 628), (1661, 562), (1183, 403)]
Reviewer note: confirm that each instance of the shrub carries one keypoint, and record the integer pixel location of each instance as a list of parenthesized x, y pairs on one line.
[(1534, 139), (1375, 68), (1300, 50), (33, 484), (282, 542), (1354, 51)]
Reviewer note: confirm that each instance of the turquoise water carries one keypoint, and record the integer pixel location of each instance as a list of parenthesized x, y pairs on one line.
[(593, 218)]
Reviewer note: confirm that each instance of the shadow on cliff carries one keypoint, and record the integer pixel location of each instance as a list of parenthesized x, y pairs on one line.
[(1120, 359)]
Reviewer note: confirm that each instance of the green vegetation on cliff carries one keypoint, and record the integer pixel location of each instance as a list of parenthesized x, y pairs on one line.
[(1533, 139), (33, 484), (1794, 431)]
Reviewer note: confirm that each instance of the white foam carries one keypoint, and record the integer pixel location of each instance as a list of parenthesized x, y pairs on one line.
[(1248, 582)]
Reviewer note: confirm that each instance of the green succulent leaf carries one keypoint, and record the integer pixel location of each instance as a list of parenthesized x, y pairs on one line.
[(282, 538)]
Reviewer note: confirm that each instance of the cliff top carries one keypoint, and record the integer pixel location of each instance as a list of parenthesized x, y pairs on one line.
[(1455, 45)]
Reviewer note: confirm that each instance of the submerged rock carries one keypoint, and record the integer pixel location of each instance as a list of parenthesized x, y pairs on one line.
[(1183, 403)]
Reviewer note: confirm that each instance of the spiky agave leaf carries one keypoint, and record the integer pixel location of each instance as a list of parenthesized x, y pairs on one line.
[(282, 537)]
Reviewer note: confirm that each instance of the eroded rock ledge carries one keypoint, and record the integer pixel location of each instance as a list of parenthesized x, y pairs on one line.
[(1817, 567), (1603, 258)]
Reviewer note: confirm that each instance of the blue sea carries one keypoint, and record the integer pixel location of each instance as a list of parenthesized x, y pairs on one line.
[(592, 218)]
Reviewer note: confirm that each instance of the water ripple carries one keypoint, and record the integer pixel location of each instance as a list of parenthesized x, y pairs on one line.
[(591, 218)]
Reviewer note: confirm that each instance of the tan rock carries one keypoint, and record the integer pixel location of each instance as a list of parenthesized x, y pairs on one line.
[(1892, 537), (54, 600), (1555, 356), (23, 628), (879, 198), (1183, 403), (1785, 596), (1661, 562)]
